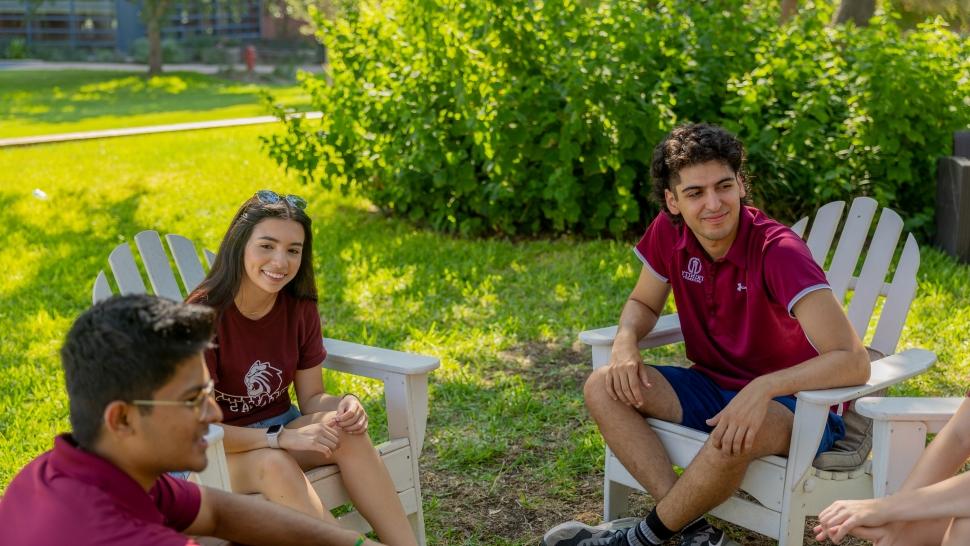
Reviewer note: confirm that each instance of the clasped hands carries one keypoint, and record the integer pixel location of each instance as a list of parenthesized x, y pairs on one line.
[(735, 426), (323, 434), (865, 519)]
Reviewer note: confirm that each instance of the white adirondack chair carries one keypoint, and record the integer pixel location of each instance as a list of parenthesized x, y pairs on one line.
[(787, 490), (900, 426), (405, 378)]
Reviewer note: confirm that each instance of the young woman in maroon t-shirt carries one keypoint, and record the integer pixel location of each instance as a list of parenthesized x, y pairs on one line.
[(268, 337)]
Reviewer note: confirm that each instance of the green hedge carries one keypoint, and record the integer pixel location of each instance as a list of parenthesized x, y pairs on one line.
[(524, 117)]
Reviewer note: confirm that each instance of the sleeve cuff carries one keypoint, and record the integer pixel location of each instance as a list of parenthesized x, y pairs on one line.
[(647, 265), (802, 294)]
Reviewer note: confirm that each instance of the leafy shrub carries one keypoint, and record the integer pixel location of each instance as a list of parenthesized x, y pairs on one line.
[(832, 113), (16, 49), (519, 117)]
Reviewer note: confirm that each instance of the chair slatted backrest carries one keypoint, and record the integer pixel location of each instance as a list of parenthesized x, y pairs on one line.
[(870, 284), (157, 265)]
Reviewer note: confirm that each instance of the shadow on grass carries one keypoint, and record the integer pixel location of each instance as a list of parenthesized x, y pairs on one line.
[(37, 312)]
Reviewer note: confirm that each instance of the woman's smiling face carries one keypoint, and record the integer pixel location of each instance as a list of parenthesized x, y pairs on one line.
[(272, 255)]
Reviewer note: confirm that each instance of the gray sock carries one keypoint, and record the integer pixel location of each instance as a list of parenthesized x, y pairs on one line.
[(641, 535)]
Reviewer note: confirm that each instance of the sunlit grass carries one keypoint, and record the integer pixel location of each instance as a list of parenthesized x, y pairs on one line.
[(47, 102), (502, 315)]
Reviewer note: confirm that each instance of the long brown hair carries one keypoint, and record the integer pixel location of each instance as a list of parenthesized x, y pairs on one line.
[(221, 284)]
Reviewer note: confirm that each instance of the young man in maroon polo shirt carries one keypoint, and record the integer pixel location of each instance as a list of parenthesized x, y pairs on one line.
[(141, 403), (759, 321)]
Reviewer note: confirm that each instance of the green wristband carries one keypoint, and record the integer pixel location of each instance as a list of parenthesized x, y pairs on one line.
[(360, 540)]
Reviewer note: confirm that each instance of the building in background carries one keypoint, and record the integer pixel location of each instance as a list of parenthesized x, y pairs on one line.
[(116, 24)]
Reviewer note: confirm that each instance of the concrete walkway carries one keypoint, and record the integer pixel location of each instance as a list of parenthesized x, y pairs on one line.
[(151, 129), (29, 64)]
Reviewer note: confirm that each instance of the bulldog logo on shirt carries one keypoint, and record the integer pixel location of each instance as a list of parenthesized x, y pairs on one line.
[(260, 377), (693, 271), (263, 383)]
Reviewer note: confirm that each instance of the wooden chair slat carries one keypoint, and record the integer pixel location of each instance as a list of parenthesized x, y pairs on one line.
[(799, 227), (157, 265), (823, 230), (186, 260), (125, 271), (874, 270), (102, 290), (210, 257), (898, 300), (849, 248)]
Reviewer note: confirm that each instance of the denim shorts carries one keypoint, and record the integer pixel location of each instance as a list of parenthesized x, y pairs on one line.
[(281, 419), (701, 398)]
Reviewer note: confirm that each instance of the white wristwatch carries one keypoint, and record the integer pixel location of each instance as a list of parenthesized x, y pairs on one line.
[(273, 436)]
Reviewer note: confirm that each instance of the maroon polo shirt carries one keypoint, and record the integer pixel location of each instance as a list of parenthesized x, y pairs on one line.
[(735, 312), (70, 496)]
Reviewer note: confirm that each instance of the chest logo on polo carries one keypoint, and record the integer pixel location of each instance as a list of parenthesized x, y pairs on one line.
[(692, 273)]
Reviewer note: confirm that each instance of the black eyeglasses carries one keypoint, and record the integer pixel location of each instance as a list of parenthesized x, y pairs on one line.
[(270, 197), (199, 402)]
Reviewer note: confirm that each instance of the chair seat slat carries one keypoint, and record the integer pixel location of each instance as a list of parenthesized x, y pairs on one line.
[(823, 230), (849, 248), (186, 260), (157, 265), (125, 271), (898, 300), (874, 270)]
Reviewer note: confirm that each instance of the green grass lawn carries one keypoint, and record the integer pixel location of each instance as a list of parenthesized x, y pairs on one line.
[(66, 101), (510, 450)]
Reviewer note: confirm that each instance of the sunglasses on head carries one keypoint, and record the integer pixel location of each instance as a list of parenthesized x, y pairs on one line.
[(270, 197)]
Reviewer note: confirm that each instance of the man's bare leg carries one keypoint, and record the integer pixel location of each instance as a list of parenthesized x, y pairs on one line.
[(627, 433), (695, 493), (636, 445)]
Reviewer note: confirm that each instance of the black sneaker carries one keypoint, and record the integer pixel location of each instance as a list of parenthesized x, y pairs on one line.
[(708, 535), (575, 533)]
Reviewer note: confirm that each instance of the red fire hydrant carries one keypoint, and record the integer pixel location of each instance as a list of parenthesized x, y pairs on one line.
[(249, 57)]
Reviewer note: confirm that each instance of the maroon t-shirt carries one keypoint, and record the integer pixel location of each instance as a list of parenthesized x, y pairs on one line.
[(736, 312), (255, 361), (71, 496)]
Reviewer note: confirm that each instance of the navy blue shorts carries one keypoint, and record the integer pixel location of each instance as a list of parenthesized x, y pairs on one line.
[(701, 398)]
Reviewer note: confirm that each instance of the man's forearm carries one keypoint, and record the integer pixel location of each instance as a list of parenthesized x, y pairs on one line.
[(276, 525), (840, 368), (636, 321)]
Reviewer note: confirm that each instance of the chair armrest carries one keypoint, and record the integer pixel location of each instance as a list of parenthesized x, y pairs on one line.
[(665, 332), (216, 473), (405, 377), (905, 408), (885, 372), (375, 362)]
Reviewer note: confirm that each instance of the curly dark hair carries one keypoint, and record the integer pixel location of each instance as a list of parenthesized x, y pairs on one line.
[(692, 144)]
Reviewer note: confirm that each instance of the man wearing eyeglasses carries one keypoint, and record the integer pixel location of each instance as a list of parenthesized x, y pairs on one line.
[(140, 406)]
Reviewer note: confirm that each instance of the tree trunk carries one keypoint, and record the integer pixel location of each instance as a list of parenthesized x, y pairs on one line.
[(788, 9), (153, 14), (154, 47), (857, 11)]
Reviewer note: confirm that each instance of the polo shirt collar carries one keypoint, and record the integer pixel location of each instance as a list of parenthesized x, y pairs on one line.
[(70, 460), (735, 255)]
